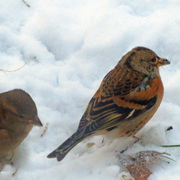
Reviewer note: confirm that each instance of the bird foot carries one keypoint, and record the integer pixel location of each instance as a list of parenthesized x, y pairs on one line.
[(16, 169), (121, 152), (14, 173), (1, 166), (136, 140)]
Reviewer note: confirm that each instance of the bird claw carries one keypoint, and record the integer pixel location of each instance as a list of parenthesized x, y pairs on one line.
[(121, 152), (14, 173), (137, 138), (16, 169)]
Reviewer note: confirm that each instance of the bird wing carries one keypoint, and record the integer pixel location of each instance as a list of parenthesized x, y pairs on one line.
[(123, 95)]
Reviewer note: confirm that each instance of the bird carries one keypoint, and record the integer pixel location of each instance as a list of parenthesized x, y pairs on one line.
[(126, 100), (18, 115)]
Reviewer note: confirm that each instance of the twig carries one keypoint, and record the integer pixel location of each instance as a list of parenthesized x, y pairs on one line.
[(166, 157), (26, 3), (4, 71)]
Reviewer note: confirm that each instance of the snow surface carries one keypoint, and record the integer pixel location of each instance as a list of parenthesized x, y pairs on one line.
[(68, 47)]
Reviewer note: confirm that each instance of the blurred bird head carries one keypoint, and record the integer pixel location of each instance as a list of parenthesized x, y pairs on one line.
[(143, 60), (18, 106)]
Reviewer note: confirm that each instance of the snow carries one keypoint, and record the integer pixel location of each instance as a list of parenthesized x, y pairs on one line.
[(68, 47)]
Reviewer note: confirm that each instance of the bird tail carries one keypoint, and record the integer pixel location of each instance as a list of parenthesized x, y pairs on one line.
[(64, 148)]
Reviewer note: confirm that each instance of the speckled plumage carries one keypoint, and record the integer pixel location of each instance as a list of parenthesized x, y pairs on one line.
[(127, 98)]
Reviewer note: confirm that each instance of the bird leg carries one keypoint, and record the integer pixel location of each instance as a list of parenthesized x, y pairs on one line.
[(1, 166), (136, 140), (8, 162), (12, 164), (124, 150), (14, 173)]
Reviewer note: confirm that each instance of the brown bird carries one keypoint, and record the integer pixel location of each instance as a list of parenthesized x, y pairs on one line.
[(18, 114), (126, 100)]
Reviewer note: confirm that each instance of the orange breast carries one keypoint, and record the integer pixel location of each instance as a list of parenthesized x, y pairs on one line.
[(156, 88), (129, 128)]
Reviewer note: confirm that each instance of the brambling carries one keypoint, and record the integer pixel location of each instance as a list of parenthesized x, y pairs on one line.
[(18, 114), (126, 100)]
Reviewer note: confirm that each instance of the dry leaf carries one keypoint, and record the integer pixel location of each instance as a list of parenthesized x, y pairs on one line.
[(138, 171), (137, 164), (90, 144), (44, 129)]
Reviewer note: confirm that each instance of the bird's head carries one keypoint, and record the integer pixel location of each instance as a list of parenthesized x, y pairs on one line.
[(18, 106), (144, 60)]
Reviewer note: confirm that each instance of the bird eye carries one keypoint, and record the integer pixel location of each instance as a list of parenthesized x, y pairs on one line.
[(153, 59)]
